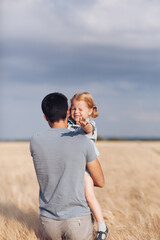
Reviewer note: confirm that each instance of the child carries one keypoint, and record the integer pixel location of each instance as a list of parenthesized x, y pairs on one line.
[(82, 111)]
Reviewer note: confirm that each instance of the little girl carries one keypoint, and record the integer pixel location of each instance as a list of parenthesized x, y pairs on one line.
[(83, 109)]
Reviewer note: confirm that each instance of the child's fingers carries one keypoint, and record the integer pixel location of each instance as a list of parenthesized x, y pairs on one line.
[(82, 120)]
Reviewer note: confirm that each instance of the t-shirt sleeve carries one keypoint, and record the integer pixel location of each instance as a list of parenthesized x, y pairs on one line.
[(96, 149), (91, 153), (93, 137), (31, 146)]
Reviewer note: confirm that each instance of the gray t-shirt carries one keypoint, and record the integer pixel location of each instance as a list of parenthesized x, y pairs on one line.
[(60, 158)]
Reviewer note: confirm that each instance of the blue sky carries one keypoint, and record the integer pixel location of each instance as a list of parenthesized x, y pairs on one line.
[(109, 48)]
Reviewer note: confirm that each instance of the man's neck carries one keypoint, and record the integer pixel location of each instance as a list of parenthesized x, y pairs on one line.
[(60, 124)]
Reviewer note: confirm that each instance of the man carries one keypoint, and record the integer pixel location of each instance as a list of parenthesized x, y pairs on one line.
[(60, 158)]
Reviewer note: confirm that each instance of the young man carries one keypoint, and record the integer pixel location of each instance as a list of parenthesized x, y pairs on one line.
[(60, 158)]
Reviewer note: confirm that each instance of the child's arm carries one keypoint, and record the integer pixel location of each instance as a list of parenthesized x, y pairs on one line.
[(86, 126), (91, 131)]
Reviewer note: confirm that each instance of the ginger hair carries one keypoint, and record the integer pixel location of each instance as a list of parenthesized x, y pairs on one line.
[(88, 99)]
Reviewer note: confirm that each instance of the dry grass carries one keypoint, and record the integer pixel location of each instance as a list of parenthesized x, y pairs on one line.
[(130, 198)]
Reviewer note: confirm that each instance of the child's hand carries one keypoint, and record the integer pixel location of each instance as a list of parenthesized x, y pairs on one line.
[(82, 122), (86, 126)]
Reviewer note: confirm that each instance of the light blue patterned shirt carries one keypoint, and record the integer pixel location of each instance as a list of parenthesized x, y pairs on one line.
[(72, 126)]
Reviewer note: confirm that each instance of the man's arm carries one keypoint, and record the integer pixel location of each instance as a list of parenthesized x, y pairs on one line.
[(96, 173)]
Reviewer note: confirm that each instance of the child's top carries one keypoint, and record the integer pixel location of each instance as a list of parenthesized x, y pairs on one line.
[(72, 126)]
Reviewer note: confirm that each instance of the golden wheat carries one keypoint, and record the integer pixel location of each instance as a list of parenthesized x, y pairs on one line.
[(130, 199)]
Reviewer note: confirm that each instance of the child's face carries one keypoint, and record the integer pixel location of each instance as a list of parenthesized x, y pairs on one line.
[(79, 110)]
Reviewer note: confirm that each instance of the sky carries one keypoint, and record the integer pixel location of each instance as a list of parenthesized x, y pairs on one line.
[(108, 48)]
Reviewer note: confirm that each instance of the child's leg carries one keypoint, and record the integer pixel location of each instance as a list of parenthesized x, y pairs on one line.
[(92, 200), (95, 208)]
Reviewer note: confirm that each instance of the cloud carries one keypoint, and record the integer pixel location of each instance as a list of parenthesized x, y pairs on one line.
[(113, 22), (109, 48), (79, 64)]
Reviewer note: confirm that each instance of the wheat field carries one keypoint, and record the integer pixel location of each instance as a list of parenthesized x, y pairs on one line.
[(130, 199)]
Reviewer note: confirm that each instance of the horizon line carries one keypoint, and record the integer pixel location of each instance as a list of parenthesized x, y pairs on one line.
[(99, 138)]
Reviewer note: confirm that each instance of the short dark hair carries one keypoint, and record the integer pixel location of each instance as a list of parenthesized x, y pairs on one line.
[(55, 106)]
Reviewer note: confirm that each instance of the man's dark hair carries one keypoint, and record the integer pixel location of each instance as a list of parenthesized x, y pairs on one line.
[(55, 106)]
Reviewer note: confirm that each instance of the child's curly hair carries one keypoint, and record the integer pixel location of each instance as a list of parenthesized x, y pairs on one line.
[(86, 97)]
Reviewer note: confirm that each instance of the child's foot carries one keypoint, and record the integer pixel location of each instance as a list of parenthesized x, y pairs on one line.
[(102, 235)]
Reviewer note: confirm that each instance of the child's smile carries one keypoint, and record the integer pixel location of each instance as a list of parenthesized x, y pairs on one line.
[(79, 110)]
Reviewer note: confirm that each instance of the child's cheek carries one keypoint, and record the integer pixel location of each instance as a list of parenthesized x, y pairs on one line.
[(71, 113)]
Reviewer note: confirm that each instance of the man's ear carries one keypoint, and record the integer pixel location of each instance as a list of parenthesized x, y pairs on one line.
[(68, 112)]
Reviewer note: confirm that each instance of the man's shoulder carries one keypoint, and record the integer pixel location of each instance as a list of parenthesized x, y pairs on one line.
[(66, 134), (53, 133), (37, 136), (35, 141), (74, 134)]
